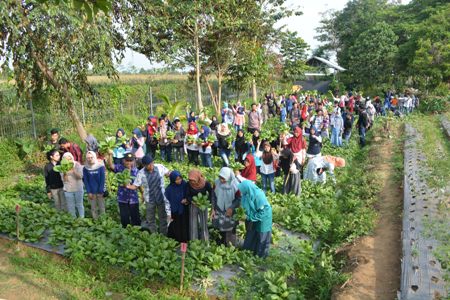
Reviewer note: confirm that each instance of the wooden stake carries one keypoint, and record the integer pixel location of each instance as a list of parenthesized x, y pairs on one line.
[(183, 255), (17, 224)]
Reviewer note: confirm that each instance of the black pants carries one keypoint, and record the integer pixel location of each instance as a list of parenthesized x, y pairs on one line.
[(193, 157), (129, 214)]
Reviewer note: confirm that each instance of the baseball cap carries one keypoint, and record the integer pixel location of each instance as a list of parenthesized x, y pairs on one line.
[(129, 156)]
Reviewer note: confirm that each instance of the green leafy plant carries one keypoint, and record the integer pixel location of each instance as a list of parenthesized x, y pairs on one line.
[(202, 201), (239, 214), (64, 167), (236, 166), (170, 134), (107, 145), (124, 177)]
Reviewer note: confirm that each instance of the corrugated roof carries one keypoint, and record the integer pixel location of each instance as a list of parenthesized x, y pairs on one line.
[(328, 63)]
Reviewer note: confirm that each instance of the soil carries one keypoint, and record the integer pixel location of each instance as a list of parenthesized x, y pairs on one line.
[(374, 261)]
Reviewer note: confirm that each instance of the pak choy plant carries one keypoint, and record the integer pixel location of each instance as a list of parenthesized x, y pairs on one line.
[(202, 201), (64, 167), (123, 178)]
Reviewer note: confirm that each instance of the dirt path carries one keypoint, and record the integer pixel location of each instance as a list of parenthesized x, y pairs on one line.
[(375, 260)]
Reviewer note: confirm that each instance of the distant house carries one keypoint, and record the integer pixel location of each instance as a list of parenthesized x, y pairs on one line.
[(319, 79)]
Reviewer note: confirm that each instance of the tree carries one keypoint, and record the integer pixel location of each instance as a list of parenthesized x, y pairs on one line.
[(50, 45), (293, 51), (373, 56)]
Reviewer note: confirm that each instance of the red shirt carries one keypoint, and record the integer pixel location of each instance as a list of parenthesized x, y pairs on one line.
[(75, 150)]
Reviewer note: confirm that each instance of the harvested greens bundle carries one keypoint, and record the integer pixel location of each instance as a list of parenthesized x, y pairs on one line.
[(64, 167), (124, 177), (201, 201)]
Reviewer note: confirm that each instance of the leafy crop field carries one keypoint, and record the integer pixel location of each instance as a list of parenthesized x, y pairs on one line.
[(329, 216)]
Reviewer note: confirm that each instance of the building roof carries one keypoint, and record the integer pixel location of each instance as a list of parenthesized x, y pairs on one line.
[(327, 62)]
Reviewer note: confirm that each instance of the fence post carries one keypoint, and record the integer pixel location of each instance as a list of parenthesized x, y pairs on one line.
[(151, 101), (82, 112), (33, 120)]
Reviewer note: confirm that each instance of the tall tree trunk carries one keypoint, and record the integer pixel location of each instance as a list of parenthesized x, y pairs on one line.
[(213, 96), (219, 88), (254, 95), (197, 69), (64, 92)]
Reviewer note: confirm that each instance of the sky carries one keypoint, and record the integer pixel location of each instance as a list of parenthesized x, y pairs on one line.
[(305, 26)]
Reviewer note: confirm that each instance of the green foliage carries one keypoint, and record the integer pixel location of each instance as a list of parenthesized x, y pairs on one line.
[(435, 104), (64, 167), (12, 162), (202, 201), (123, 178), (236, 166), (293, 49)]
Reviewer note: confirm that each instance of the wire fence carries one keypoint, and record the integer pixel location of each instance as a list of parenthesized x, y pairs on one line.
[(25, 122)]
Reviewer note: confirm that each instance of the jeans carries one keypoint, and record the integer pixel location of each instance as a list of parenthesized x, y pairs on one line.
[(97, 205), (268, 179), (225, 154), (150, 215), (336, 138), (193, 157), (166, 153), (60, 199), (347, 135), (206, 159), (362, 136), (74, 201), (129, 214), (178, 153)]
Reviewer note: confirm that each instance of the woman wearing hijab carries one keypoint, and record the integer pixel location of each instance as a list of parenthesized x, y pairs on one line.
[(176, 194), (259, 219), (268, 167), (297, 145), (94, 182), (256, 145), (205, 147), (73, 187), (198, 219), (249, 171), (225, 200), (137, 145), (224, 147), (192, 147), (240, 146), (119, 151), (191, 117), (291, 168), (315, 143), (91, 143)]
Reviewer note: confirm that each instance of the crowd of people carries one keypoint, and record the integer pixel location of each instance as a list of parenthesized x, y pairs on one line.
[(170, 210)]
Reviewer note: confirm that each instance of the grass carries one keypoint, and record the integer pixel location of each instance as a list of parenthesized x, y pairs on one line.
[(65, 279), (436, 148)]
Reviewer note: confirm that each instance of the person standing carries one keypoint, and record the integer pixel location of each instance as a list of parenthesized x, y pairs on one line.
[(348, 124), (127, 198), (137, 145), (121, 148), (258, 234), (291, 168), (191, 145), (225, 200), (72, 148), (73, 187), (337, 126), (315, 143), (223, 144), (297, 145), (241, 147), (151, 144), (176, 195), (178, 140), (249, 171), (255, 119), (205, 147), (53, 182), (151, 179), (198, 219), (268, 167), (362, 124), (165, 145), (94, 182), (54, 139)]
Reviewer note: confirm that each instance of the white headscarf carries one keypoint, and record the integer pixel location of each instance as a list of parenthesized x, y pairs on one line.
[(226, 192), (96, 163)]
